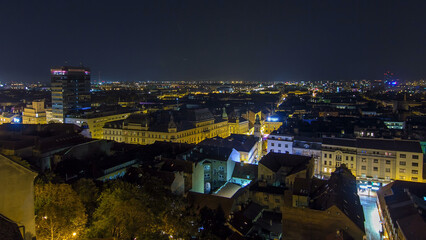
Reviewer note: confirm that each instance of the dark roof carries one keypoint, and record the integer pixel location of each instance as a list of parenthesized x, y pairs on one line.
[(275, 161), (8, 229), (340, 142), (245, 171), (256, 187), (340, 191), (213, 202), (406, 206), (374, 143), (394, 145), (176, 165), (240, 142), (252, 211), (241, 223), (200, 153)]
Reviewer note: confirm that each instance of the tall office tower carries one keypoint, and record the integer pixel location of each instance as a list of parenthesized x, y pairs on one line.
[(70, 91)]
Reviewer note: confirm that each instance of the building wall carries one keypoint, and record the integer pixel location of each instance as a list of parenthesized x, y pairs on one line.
[(96, 124), (266, 174), (239, 127), (374, 164), (334, 156), (280, 144), (17, 196), (137, 134), (34, 113), (317, 224), (269, 127), (270, 201)]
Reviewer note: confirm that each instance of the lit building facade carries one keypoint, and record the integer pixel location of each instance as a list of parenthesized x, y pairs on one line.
[(34, 113), (70, 91), (374, 160), (94, 122), (186, 126), (6, 117)]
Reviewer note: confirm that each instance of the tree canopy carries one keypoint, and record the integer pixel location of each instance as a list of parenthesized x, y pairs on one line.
[(60, 214)]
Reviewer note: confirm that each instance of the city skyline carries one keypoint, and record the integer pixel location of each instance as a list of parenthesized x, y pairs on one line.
[(185, 40)]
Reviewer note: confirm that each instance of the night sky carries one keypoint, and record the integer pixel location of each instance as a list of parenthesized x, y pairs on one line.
[(214, 40)]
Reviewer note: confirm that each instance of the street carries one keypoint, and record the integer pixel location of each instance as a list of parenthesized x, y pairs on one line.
[(372, 219)]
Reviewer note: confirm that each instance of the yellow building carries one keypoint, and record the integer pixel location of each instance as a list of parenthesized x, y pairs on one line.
[(185, 126), (6, 117), (34, 113), (238, 126), (96, 120), (271, 124), (374, 160)]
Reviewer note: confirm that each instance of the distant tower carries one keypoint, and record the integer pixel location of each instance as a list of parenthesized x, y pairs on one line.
[(172, 125), (224, 114), (257, 127), (70, 90)]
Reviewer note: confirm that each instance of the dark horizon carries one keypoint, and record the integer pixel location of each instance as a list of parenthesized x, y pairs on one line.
[(214, 40)]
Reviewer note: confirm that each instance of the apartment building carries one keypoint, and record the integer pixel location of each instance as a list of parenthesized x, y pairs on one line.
[(374, 160)]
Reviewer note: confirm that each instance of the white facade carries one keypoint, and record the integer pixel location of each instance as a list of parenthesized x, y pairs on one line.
[(280, 143)]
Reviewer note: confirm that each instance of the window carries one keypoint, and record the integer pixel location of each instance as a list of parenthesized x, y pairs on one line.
[(337, 164), (363, 160), (415, 156), (279, 151), (279, 144), (207, 175), (329, 155), (363, 167), (286, 146), (325, 169), (414, 171), (272, 150), (221, 168), (387, 169), (347, 158), (375, 169), (413, 179), (325, 162), (277, 200), (402, 155), (376, 161), (387, 161), (325, 155), (329, 163), (402, 163), (401, 170), (272, 144), (402, 177), (414, 164), (207, 167), (352, 165)]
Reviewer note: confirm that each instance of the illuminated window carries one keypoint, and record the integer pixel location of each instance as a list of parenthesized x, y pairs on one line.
[(414, 171), (325, 169), (401, 170)]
